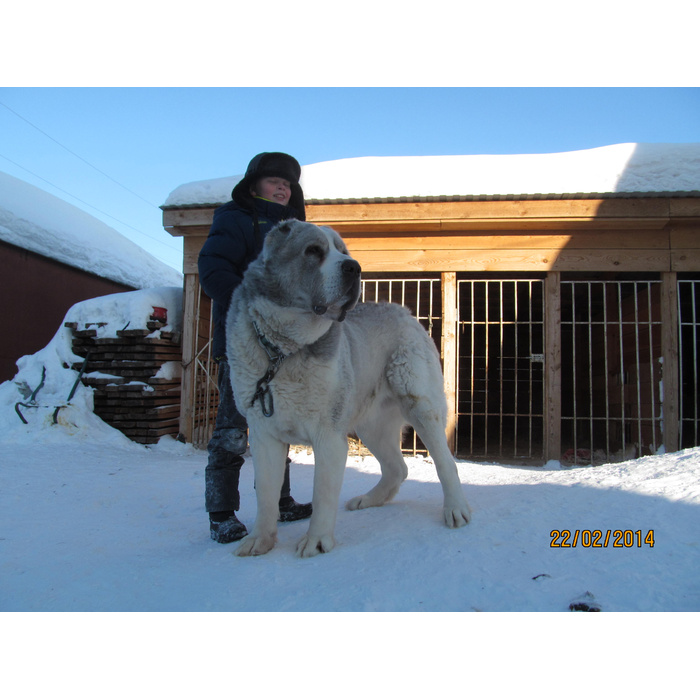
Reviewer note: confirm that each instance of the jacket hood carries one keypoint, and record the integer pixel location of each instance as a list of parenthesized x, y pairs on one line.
[(271, 165)]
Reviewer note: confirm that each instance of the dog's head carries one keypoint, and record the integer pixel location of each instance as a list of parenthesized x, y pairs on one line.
[(308, 267)]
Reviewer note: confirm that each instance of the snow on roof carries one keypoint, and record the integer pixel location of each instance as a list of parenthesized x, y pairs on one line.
[(626, 167), (35, 220)]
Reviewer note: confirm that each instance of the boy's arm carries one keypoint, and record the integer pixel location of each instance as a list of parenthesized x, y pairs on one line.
[(221, 259)]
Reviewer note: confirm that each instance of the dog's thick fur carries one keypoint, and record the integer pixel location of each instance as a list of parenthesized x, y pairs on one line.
[(348, 367)]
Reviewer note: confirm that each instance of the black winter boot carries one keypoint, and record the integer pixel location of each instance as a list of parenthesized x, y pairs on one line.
[(225, 527), (290, 510)]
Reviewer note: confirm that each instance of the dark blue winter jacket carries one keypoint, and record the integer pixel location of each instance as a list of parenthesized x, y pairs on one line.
[(231, 246)]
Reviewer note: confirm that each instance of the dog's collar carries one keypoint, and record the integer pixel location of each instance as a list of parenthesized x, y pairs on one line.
[(262, 390)]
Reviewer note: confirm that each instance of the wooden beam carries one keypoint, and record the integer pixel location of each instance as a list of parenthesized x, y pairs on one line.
[(195, 216), (192, 246), (684, 237), (387, 227), (449, 353), (487, 240), (613, 260), (640, 213), (516, 210), (552, 366), (670, 369), (687, 207), (185, 231), (524, 260), (591, 223), (189, 341), (685, 260)]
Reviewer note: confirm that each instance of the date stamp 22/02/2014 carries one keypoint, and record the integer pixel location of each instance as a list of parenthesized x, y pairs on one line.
[(601, 538)]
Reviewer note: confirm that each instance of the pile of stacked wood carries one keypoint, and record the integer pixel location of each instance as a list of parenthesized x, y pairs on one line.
[(136, 390)]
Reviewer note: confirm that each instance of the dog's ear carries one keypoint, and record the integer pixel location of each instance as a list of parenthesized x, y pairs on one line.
[(286, 226)]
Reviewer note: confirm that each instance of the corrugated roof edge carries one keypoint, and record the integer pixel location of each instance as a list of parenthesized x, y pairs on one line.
[(507, 197), (470, 198)]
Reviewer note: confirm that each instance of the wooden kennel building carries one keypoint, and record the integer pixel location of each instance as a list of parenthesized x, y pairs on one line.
[(569, 325)]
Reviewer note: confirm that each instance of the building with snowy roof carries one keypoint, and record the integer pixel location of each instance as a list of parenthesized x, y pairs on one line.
[(562, 289), (53, 255)]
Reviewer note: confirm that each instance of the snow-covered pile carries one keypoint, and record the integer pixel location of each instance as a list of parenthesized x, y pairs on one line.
[(627, 167), (75, 419), (37, 221)]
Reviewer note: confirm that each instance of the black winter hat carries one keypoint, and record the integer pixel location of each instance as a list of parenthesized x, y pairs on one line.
[(271, 165)]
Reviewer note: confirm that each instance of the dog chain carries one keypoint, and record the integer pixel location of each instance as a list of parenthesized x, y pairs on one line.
[(262, 389)]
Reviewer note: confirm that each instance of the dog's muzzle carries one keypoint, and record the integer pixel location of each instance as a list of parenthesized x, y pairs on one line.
[(350, 271)]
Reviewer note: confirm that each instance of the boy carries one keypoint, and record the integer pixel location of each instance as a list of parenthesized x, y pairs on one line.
[(268, 193)]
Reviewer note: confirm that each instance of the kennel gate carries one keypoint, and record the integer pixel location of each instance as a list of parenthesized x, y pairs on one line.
[(612, 392), (500, 374)]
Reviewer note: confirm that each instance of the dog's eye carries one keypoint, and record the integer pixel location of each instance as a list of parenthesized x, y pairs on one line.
[(314, 251)]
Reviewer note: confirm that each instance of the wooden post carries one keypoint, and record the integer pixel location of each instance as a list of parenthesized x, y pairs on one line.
[(552, 366), (670, 368), (189, 339), (449, 352)]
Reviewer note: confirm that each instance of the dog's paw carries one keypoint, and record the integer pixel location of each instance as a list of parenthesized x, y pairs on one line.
[(253, 546), (364, 501), (311, 545), (457, 516), (355, 503)]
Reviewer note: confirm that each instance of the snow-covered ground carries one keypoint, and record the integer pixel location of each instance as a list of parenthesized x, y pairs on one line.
[(93, 526)]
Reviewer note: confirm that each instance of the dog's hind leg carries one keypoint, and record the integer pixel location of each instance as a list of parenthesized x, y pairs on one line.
[(269, 457), (382, 436), (415, 376), (431, 430)]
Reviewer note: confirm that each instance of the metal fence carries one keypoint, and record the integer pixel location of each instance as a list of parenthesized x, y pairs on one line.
[(611, 365)]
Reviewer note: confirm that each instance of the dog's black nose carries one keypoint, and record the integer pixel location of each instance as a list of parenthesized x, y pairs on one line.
[(351, 268)]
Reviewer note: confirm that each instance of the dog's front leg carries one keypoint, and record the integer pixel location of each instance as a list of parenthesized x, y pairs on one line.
[(269, 457), (330, 455)]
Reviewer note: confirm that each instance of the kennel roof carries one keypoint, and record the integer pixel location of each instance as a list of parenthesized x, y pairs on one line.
[(621, 170)]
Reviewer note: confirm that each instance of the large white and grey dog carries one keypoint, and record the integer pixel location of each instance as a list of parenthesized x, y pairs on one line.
[(310, 365)]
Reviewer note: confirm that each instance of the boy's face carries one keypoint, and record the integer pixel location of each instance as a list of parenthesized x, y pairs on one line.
[(276, 189)]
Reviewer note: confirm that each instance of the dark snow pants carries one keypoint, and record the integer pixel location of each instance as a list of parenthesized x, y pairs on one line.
[(226, 448)]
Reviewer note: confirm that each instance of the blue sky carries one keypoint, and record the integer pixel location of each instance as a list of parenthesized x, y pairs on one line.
[(118, 152)]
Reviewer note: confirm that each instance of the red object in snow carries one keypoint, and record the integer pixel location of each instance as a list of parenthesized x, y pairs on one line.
[(159, 314)]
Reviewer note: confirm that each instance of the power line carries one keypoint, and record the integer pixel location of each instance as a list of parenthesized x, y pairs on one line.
[(123, 223), (48, 136)]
